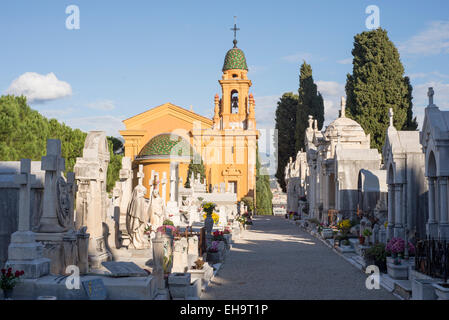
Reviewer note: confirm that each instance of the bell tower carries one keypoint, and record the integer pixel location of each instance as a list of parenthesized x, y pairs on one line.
[(229, 147), (234, 108)]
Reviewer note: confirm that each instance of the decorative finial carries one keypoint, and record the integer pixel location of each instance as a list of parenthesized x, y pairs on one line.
[(430, 94), (343, 107), (235, 29), (390, 114), (310, 121)]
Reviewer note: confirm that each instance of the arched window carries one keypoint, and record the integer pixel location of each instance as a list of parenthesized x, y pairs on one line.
[(234, 101)]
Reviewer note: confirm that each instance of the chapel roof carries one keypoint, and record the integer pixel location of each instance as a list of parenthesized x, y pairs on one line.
[(167, 144)]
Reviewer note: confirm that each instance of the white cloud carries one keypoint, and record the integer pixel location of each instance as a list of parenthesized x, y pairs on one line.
[(298, 57), (433, 40), (39, 88), (104, 105), (110, 124), (345, 61)]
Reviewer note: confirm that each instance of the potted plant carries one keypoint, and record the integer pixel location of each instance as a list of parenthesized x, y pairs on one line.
[(8, 281), (395, 248), (213, 254), (376, 255), (366, 234)]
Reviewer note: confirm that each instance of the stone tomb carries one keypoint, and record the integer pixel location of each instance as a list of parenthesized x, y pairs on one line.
[(24, 253), (124, 269), (91, 176)]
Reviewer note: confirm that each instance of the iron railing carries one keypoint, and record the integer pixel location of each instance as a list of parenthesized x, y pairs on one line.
[(432, 258)]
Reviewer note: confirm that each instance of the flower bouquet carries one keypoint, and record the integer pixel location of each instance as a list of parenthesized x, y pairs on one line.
[(8, 281), (396, 247)]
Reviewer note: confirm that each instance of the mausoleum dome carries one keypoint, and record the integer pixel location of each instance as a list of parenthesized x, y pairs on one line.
[(166, 145), (344, 126)]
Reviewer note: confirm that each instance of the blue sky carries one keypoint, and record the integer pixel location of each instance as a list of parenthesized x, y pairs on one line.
[(128, 57)]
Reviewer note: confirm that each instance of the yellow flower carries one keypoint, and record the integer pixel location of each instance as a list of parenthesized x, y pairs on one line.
[(215, 217)]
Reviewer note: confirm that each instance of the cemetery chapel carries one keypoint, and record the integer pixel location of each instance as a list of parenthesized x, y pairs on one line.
[(166, 138)]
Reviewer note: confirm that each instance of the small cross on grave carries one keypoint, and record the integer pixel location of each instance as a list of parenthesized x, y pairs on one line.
[(430, 94), (24, 179), (53, 164)]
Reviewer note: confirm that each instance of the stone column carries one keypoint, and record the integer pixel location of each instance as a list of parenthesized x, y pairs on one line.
[(444, 225), (398, 226), (158, 261), (24, 252), (432, 225), (391, 215)]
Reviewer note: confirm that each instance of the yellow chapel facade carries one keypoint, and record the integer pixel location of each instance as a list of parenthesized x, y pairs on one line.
[(169, 136)]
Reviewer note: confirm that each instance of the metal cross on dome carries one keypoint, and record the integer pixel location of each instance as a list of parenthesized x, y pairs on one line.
[(235, 29)]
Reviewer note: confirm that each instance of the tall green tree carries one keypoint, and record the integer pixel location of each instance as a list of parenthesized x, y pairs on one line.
[(285, 125), (377, 83), (24, 133), (310, 102), (264, 196)]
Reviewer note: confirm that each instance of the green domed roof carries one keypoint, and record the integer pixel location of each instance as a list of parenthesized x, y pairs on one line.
[(167, 145), (235, 59)]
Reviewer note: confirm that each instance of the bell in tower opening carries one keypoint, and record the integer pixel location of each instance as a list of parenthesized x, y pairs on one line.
[(234, 101)]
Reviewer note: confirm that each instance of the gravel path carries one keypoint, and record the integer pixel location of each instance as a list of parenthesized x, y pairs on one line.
[(276, 260)]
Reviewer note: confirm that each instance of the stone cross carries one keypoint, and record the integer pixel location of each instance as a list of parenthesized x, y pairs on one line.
[(390, 114), (310, 121), (24, 179), (140, 175), (430, 94), (172, 183), (53, 164), (343, 107)]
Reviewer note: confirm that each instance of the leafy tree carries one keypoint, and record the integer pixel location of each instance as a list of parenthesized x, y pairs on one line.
[(285, 125), (310, 102), (115, 164), (117, 144), (377, 83), (24, 133)]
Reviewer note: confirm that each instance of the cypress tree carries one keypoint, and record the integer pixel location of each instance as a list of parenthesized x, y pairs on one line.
[(377, 83), (195, 168), (285, 125), (310, 102)]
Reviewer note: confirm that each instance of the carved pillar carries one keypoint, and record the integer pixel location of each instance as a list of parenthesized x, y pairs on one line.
[(444, 225), (432, 224), (391, 200), (398, 225)]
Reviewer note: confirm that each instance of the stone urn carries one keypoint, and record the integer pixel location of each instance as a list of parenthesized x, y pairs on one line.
[(209, 223)]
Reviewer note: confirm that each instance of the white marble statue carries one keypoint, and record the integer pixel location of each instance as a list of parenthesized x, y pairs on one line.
[(157, 208), (137, 217)]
